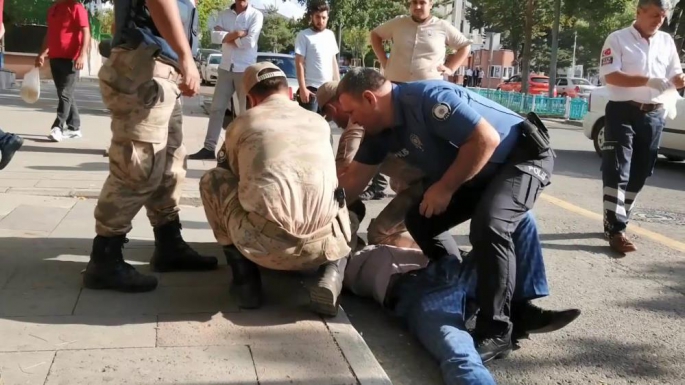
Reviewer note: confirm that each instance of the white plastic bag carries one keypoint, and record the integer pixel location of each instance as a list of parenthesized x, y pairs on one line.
[(30, 88)]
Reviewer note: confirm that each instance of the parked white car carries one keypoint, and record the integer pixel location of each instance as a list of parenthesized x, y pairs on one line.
[(574, 87), (209, 69), (672, 139)]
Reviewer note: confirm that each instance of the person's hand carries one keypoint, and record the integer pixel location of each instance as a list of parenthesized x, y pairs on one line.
[(304, 95), (435, 200), (40, 61), (678, 81), (2, 30), (190, 84), (445, 70), (79, 63), (659, 84), (241, 34)]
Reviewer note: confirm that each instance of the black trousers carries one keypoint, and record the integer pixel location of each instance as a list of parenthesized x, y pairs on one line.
[(629, 153), (64, 76), (495, 204)]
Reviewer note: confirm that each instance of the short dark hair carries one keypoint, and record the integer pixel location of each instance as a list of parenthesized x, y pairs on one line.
[(358, 79), (269, 86), (316, 7), (663, 4)]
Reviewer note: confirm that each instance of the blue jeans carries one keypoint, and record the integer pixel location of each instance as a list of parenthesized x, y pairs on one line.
[(432, 303)]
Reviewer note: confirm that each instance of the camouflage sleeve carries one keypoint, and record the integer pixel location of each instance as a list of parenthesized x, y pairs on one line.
[(350, 140)]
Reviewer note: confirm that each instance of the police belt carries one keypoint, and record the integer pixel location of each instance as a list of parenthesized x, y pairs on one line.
[(534, 135), (645, 107)]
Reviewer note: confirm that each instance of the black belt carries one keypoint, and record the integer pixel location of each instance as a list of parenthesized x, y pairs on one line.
[(646, 107)]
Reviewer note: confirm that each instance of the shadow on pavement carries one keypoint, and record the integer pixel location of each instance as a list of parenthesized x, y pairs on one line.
[(103, 166), (586, 164), (59, 150), (670, 303)]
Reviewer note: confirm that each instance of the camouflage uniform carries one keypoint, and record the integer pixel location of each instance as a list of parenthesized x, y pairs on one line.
[(146, 155), (274, 198), (388, 228)]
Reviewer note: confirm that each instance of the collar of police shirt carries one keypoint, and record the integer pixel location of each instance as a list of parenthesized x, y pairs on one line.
[(630, 37)]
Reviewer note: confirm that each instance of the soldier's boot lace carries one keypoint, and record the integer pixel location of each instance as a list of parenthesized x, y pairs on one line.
[(323, 297), (172, 253), (247, 280), (107, 269)]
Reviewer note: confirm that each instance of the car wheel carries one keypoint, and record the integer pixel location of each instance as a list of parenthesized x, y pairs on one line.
[(598, 136), (674, 158)]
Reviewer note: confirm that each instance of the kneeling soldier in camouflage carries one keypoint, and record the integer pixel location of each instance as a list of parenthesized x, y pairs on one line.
[(273, 201)]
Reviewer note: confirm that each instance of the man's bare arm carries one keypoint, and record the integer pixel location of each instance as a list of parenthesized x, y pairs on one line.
[(86, 42), (336, 69), (299, 66), (167, 19), (355, 179), (622, 79), (456, 59), (473, 155), (378, 49)]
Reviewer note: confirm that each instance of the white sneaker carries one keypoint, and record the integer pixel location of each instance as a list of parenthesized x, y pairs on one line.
[(55, 134), (72, 134)]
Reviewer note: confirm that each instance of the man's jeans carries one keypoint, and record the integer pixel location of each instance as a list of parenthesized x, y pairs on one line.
[(226, 84), (64, 76)]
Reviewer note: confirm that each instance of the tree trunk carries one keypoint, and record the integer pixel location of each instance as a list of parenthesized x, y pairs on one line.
[(555, 49), (528, 42)]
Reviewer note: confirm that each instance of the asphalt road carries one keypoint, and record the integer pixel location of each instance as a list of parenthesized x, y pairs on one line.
[(632, 327)]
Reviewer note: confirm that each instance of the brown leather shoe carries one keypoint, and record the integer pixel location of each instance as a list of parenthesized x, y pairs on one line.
[(620, 243)]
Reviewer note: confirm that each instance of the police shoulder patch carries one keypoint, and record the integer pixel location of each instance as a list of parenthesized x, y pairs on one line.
[(441, 111)]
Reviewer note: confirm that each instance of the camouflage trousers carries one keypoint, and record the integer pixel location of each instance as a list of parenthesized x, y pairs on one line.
[(146, 156), (389, 228), (261, 240)]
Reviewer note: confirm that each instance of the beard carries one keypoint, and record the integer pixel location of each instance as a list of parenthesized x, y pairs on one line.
[(318, 28)]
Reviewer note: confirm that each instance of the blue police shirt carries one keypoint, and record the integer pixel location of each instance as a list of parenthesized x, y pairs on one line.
[(433, 118)]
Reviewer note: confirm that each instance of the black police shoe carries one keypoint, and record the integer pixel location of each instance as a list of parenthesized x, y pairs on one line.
[(323, 297), (203, 154), (493, 347), (530, 319), (371, 194), (108, 271), (172, 253), (247, 280), (7, 151)]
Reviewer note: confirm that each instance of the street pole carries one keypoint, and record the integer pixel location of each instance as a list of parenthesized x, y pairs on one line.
[(573, 61), (555, 48)]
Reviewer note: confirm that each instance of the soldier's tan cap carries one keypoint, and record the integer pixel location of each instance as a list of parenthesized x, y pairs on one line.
[(250, 78), (326, 93)]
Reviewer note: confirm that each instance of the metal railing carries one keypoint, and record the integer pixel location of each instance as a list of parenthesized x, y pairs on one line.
[(560, 107)]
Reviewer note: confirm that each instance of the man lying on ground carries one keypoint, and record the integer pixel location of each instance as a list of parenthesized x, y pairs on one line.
[(435, 299)]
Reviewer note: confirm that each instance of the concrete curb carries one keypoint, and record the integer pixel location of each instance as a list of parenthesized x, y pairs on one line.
[(187, 199), (361, 360)]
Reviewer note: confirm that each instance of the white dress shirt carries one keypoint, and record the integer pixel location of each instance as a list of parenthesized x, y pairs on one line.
[(238, 57), (627, 51)]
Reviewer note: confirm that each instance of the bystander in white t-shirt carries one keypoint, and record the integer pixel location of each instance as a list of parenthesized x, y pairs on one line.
[(319, 50)]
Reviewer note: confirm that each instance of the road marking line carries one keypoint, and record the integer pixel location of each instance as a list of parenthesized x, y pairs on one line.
[(664, 240)]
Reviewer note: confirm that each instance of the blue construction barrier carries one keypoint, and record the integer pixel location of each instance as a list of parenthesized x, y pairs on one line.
[(560, 107)]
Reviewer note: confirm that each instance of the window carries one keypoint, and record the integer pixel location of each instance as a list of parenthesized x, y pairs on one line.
[(214, 59), (507, 72), (285, 63), (562, 82), (495, 72), (581, 82), (515, 79), (539, 80)]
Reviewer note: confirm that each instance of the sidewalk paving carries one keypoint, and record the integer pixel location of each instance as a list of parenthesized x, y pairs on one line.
[(188, 331)]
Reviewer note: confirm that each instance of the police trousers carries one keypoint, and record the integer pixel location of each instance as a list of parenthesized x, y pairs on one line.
[(262, 241), (495, 203), (629, 153), (146, 156)]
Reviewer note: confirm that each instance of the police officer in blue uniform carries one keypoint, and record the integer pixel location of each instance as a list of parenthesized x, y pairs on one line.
[(638, 64), (482, 162)]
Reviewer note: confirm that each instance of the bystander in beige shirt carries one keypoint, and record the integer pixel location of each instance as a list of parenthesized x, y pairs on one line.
[(418, 49)]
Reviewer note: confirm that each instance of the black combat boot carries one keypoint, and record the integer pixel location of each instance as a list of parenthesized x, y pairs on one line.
[(323, 297), (247, 281), (108, 271), (172, 253)]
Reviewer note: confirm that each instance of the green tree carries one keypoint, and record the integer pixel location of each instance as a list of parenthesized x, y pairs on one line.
[(278, 33), (106, 19), (26, 11), (357, 41)]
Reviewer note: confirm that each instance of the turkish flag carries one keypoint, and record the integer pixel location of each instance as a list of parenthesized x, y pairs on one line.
[(607, 52)]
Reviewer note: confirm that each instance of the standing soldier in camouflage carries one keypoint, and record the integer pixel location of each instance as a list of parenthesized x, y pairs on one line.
[(150, 66), (274, 201)]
